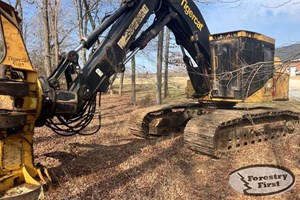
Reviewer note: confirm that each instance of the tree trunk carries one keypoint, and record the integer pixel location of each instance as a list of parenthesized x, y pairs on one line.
[(121, 83), (19, 8), (89, 15), (159, 67), (47, 59), (166, 64), (133, 84), (112, 80), (79, 11), (55, 32)]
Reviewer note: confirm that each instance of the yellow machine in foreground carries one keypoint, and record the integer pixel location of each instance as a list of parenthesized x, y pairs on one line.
[(20, 101)]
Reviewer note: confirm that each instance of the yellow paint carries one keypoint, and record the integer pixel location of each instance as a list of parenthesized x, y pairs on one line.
[(6, 102), (277, 60), (189, 12), (281, 87), (133, 26), (209, 98), (39, 100), (30, 103), (28, 178), (276, 89), (16, 53), (16, 150), (256, 36), (262, 95), (242, 34)]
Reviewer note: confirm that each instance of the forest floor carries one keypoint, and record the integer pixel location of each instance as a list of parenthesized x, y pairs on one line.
[(113, 164)]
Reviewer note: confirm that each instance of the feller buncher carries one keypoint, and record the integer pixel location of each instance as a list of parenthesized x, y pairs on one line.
[(224, 70)]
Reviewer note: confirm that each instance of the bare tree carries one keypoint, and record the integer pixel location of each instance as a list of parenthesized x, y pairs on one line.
[(54, 11), (112, 80), (121, 83), (166, 63), (133, 83), (87, 18), (46, 39), (19, 8), (160, 45), (88, 13), (79, 14)]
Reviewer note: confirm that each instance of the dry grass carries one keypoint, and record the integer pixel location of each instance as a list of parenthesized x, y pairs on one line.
[(146, 87), (295, 77), (115, 165)]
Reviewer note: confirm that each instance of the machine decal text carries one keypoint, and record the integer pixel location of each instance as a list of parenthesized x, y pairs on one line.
[(133, 26), (20, 62), (189, 12), (99, 72)]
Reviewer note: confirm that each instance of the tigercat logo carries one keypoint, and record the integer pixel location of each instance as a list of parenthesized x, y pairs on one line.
[(189, 12)]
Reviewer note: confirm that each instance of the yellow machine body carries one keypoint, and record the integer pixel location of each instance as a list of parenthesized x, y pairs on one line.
[(233, 44), (20, 99), (276, 89)]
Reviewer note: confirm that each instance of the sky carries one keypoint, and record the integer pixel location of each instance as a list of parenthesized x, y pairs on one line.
[(279, 19)]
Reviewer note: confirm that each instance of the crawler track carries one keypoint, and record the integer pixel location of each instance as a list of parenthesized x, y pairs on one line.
[(215, 132), (161, 120), (222, 131)]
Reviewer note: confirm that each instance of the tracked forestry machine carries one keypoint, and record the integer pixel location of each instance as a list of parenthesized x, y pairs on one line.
[(224, 69)]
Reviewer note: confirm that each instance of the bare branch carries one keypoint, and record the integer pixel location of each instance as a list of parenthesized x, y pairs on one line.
[(277, 6)]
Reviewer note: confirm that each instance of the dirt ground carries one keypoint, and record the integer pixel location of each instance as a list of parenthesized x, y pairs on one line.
[(115, 165)]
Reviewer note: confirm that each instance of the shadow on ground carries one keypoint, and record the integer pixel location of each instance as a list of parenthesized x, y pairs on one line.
[(98, 158)]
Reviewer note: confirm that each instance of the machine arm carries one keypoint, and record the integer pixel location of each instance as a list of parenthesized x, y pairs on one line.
[(192, 33), (181, 16)]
